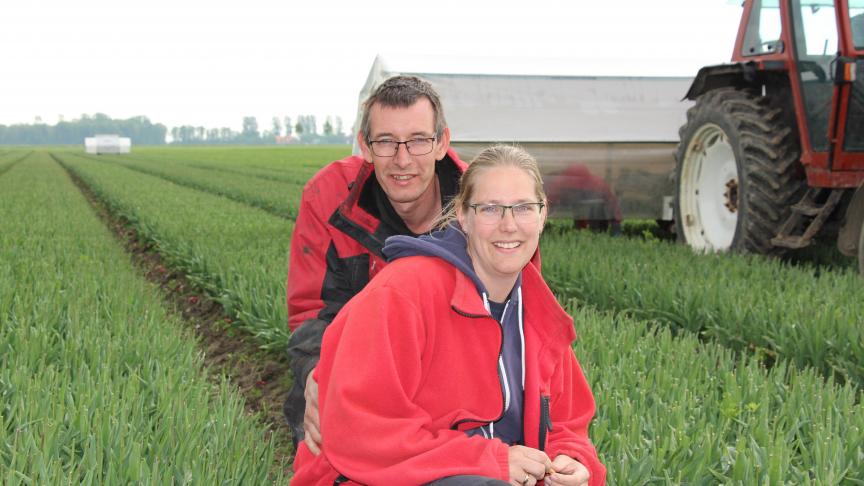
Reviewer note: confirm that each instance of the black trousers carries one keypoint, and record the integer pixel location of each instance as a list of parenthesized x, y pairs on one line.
[(465, 480), (294, 408)]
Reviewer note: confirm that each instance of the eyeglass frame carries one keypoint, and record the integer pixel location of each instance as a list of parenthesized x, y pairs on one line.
[(505, 207), (432, 140)]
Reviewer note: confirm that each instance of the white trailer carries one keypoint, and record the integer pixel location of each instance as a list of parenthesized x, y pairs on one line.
[(107, 144), (605, 143)]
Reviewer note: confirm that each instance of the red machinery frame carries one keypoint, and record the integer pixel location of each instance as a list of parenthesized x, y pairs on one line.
[(835, 168)]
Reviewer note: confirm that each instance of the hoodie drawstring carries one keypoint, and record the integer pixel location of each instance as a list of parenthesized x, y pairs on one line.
[(521, 333), (501, 356)]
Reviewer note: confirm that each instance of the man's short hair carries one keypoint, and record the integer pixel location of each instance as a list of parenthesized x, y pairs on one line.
[(402, 92)]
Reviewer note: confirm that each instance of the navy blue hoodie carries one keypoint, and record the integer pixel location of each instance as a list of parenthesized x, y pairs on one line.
[(450, 244)]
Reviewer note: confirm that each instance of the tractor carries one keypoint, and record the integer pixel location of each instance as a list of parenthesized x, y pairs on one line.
[(772, 153)]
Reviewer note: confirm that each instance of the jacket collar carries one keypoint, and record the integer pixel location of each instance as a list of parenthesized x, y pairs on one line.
[(465, 299), (538, 300), (353, 220)]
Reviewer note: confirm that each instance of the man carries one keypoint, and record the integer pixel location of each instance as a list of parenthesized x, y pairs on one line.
[(406, 175)]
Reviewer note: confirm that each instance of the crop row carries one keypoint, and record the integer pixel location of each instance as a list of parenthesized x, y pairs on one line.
[(279, 198), (238, 253), (98, 385), (297, 162), (260, 173), (10, 158), (744, 302), (669, 409)]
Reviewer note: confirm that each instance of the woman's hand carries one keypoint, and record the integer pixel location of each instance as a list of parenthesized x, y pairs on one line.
[(527, 466), (568, 471)]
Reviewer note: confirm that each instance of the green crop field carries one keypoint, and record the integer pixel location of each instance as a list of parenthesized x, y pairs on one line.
[(707, 369), (99, 384)]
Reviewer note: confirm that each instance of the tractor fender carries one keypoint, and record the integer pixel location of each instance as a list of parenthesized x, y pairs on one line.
[(850, 231), (709, 78)]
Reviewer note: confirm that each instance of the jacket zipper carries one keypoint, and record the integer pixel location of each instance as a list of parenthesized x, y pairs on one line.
[(545, 421), (340, 479)]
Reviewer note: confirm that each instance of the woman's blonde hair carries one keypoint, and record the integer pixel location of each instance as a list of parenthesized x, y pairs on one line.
[(491, 157)]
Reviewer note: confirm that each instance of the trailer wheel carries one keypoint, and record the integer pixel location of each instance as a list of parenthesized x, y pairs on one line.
[(737, 173)]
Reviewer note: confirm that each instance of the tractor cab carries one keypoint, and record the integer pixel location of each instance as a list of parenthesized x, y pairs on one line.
[(774, 147), (819, 44)]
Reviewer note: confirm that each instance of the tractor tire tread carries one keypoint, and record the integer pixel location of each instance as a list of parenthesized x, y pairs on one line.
[(771, 178)]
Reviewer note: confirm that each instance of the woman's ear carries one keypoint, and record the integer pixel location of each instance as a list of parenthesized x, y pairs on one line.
[(461, 218), (544, 212)]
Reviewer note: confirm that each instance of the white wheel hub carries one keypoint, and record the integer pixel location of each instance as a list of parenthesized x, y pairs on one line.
[(709, 190)]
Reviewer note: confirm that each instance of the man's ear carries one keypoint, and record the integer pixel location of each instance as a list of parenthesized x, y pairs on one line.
[(443, 144), (364, 148)]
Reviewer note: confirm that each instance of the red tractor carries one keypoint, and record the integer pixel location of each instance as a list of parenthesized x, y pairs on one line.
[(772, 154)]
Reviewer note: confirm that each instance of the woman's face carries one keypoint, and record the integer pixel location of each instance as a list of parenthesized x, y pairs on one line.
[(501, 246)]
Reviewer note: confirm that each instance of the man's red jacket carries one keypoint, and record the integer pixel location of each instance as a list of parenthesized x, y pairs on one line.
[(337, 240)]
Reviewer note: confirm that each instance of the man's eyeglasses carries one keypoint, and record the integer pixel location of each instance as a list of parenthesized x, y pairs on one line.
[(522, 213), (415, 146)]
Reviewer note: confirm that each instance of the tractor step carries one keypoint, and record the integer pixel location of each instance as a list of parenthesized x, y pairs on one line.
[(793, 242), (807, 208)]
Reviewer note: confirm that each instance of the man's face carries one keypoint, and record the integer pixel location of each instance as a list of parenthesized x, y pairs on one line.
[(404, 177)]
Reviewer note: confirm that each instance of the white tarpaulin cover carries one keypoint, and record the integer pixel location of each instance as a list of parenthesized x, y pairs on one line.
[(619, 128), (107, 144)]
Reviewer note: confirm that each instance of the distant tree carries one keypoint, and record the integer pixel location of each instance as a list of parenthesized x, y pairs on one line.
[(250, 128), (213, 135), (277, 126), (175, 134), (338, 126), (288, 127), (226, 135), (298, 128), (328, 127)]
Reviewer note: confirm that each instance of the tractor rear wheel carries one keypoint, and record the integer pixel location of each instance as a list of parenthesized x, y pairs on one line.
[(737, 173)]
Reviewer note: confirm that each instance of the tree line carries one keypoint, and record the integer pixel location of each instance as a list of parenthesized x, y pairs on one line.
[(142, 131), (281, 131)]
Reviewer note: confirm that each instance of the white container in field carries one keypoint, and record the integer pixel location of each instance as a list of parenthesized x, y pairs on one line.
[(107, 144)]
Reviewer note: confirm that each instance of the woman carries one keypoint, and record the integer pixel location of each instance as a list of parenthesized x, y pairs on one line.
[(454, 365)]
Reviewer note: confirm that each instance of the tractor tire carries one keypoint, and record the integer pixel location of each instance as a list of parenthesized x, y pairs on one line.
[(737, 174)]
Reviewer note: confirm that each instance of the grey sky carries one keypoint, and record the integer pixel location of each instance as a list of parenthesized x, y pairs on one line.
[(211, 63)]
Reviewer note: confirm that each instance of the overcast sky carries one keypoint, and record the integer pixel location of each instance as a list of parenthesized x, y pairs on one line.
[(210, 63)]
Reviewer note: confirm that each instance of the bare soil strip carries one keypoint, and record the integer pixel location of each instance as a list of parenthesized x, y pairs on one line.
[(262, 377)]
